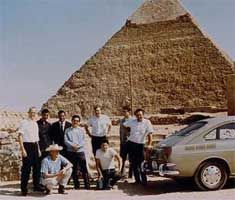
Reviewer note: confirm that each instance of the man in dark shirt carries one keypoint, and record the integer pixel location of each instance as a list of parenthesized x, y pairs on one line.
[(58, 130), (124, 133), (44, 132)]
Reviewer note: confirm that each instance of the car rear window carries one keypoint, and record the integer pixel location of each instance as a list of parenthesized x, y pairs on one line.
[(191, 128)]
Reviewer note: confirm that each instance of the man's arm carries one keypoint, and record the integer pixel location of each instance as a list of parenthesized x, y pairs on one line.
[(66, 164), (22, 149), (109, 130), (46, 175), (98, 168), (68, 143), (119, 161), (39, 151), (87, 130), (150, 140)]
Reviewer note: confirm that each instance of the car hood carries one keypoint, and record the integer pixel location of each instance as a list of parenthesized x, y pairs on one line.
[(170, 141)]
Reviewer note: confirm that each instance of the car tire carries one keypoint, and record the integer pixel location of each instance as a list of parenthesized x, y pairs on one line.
[(211, 176)]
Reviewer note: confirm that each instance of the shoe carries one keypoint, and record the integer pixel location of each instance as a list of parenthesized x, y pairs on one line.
[(39, 189), (115, 187), (87, 186), (47, 191), (76, 187), (24, 193), (61, 189), (137, 183)]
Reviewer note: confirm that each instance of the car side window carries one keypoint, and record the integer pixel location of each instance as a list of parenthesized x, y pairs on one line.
[(211, 135), (227, 131)]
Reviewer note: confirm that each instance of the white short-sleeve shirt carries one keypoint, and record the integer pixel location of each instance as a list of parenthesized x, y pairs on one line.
[(29, 130), (139, 130), (106, 158), (99, 125)]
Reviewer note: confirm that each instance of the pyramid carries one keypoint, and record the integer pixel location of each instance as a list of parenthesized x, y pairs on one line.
[(159, 58)]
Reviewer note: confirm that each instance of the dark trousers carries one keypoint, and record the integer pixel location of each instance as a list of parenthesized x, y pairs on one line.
[(110, 177), (31, 161), (136, 156), (78, 160), (96, 143), (123, 153)]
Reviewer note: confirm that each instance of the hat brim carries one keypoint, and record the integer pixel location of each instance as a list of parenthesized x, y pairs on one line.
[(54, 149)]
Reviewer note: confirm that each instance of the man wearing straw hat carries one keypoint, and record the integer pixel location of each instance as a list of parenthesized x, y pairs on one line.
[(55, 169)]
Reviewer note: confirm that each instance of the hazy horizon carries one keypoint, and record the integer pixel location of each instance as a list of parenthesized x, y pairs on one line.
[(44, 42)]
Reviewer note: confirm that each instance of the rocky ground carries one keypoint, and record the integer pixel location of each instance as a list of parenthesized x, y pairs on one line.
[(157, 188)]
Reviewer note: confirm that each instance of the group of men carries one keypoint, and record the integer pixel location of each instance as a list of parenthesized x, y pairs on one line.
[(57, 151)]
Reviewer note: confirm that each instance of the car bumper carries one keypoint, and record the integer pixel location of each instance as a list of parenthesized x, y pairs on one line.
[(162, 170)]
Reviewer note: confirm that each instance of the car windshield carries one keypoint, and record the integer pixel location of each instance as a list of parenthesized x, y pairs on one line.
[(191, 128)]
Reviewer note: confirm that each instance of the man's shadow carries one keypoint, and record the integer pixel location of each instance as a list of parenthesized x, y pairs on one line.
[(13, 189)]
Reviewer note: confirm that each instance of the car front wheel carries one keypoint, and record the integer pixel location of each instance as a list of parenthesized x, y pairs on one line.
[(211, 176)]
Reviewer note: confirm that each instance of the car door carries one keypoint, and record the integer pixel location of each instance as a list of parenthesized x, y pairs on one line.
[(220, 143)]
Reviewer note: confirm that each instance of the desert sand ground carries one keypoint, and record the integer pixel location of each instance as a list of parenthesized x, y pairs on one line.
[(157, 188)]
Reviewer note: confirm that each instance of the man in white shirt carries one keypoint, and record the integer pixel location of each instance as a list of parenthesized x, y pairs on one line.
[(28, 141), (75, 140), (101, 127), (105, 165), (140, 128)]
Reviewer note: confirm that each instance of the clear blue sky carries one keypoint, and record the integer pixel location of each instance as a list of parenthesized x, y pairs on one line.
[(42, 42)]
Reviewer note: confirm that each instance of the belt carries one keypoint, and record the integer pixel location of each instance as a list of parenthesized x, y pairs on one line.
[(30, 143), (108, 170)]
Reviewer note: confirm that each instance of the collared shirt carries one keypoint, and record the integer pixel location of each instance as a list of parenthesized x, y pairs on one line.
[(106, 158), (99, 125), (44, 131), (50, 166), (139, 130), (28, 128), (74, 136), (62, 124), (124, 131)]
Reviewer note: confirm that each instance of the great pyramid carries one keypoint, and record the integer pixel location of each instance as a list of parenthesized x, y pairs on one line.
[(159, 58)]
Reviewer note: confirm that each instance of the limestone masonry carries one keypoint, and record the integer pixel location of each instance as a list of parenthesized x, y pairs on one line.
[(159, 58)]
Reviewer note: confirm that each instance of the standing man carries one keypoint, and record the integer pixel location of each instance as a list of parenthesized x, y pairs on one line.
[(55, 169), (124, 134), (28, 141), (58, 130), (139, 129), (101, 127), (44, 132), (75, 140), (105, 165)]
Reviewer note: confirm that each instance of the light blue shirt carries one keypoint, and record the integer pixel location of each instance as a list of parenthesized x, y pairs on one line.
[(74, 136), (50, 166)]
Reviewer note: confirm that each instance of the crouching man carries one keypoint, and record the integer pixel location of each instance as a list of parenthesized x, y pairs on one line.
[(105, 165), (55, 169)]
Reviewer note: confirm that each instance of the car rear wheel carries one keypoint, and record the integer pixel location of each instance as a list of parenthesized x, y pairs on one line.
[(211, 176)]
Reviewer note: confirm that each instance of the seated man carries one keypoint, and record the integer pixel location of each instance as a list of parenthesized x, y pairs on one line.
[(105, 165), (55, 169)]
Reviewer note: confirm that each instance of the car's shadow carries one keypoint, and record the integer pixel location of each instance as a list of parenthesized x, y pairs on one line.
[(157, 187)]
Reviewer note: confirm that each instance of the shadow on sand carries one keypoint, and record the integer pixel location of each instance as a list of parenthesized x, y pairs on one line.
[(157, 187), (154, 187)]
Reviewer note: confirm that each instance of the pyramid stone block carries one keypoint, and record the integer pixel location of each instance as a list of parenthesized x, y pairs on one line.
[(159, 58)]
